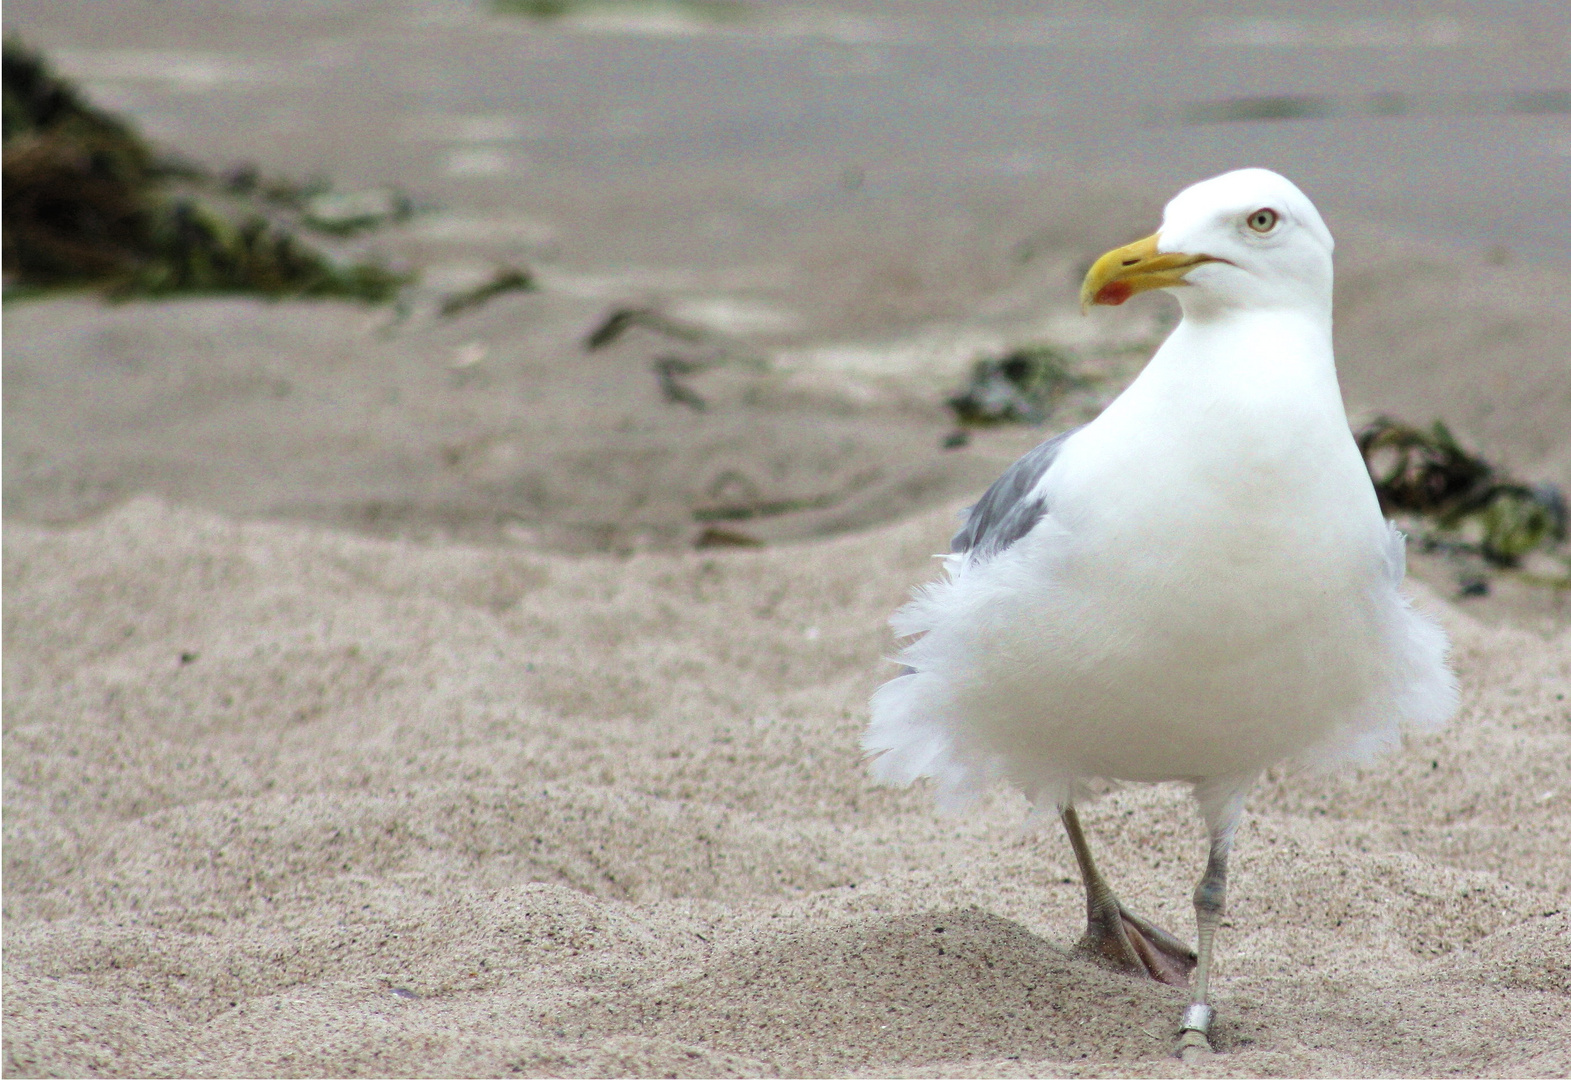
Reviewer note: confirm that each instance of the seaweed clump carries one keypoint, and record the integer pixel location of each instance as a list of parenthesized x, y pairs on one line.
[(89, 204), (1471, 506), (1020, 387)]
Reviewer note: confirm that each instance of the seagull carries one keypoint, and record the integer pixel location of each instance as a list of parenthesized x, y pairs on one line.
[(1193, 587)]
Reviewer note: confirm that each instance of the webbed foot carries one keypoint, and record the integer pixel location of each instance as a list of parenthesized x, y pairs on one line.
[(1120, 940)]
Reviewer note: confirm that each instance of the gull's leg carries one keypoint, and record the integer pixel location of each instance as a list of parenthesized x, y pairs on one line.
[(1222, 814), (1210, 901), (1116, 938)]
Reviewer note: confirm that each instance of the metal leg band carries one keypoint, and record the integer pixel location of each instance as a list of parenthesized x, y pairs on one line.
[(1197, 1017)]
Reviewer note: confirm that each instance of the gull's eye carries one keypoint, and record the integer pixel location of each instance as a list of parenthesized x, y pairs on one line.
[(1263, 220)]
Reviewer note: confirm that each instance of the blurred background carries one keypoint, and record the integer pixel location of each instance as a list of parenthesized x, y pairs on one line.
[(731, 272)]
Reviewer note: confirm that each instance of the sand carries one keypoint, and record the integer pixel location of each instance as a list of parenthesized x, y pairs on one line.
[(287, 801)]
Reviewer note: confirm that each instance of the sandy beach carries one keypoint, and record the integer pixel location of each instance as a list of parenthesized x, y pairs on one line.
[(284, 801), (381, 699)]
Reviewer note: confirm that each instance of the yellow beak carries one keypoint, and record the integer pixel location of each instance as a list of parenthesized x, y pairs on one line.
[(1133, 268)]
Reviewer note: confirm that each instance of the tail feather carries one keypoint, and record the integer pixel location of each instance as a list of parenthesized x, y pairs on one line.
[(907, 740)]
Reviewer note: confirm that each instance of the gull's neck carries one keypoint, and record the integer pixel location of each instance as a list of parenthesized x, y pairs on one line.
[(1246, 369), (1222, 334), (1299, 305)]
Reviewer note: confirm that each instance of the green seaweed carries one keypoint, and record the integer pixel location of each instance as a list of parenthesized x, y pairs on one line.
[(507, 279), (669, 371), (1019, 387), (1468, 505), (88, 204), (620, 320)]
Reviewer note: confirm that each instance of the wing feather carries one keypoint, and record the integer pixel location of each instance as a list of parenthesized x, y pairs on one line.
[(1012, 506)]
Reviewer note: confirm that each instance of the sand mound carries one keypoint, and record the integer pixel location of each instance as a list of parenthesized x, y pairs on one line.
[(905, 991), (289, 802)]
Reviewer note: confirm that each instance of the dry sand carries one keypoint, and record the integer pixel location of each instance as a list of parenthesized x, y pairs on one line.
[(289, 801)]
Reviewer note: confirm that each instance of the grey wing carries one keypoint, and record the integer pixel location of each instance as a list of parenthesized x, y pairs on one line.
[(1010, 508)]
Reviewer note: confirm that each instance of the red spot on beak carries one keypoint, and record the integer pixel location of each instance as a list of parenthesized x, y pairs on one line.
[(1114, 293)]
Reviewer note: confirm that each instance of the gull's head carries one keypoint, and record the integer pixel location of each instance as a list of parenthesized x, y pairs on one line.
[(1248, 238)]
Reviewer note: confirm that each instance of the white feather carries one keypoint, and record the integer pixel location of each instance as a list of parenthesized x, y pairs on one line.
[(1212, 589)]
